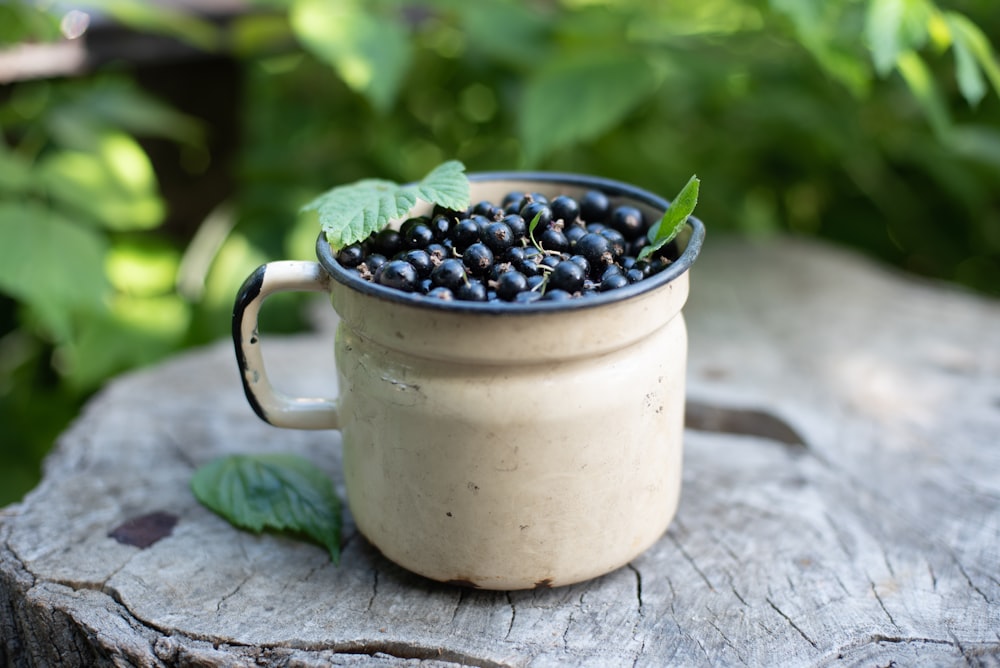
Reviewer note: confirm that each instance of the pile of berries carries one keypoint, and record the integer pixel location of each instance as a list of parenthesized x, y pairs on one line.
[(578, 248)]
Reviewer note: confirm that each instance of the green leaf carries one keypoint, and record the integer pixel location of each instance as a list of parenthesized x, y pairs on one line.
[(348, 214), (106, 105), (969, 38), (445, 185), (970, 78), (51, 264), (511, 32), (151, 17), (579, 98), (531, 231), (885, 18), (370, 53), (920, 81), (272, 491), (673, 219), (114, 185)]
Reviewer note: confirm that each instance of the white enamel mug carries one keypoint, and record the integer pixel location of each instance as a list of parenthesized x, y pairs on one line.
[(498, 445)]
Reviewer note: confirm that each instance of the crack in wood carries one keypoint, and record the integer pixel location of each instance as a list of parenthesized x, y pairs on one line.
[(961, 569), (371, 599), (729, 643), (226, 597), (792, 623), (403, 651), (638, 585), (882, 605), (513, 615), (691, 561)]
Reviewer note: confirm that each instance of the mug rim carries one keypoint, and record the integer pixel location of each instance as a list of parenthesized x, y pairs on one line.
[(611, 187)]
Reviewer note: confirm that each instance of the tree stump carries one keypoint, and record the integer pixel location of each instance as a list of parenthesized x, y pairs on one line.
[(841, 505)]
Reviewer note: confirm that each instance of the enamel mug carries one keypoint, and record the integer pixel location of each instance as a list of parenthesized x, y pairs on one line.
[(498, 445)]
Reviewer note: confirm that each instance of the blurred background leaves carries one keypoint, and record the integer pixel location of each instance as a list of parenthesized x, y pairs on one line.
[(167, 147)]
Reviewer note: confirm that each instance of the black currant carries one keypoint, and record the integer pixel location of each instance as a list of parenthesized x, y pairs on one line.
[(512, 201), (613, 282), (464, 233), (595, 248), (550, 261), (418, 235), (628, 220), (616, 240), (517, 225), (398, 274), (582, 261), (498, 237), (388, 242), (564, 208), (533, 209), (350, 256), (552, 239), (509, 284), (473, 291), (535, 281), (556, 296), (441, 225), (634, 275), (449, 274), (485, 208), (574, 232), (568, 276), (478, 259), (441, 293), (420, 259), (594, 206), (527, 297), (374, 261)]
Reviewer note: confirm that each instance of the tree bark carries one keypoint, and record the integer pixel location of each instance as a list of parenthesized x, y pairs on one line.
[(841, 505)]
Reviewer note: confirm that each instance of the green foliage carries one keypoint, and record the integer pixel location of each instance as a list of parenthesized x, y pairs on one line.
[(280, 492), (350, 213)]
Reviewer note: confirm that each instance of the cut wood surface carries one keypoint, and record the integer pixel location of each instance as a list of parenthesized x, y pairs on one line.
[(841, 506)]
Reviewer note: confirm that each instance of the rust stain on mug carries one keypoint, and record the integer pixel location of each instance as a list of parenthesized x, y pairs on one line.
[(144, 530)]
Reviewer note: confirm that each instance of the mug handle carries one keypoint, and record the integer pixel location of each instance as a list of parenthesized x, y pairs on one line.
[(270, 404)]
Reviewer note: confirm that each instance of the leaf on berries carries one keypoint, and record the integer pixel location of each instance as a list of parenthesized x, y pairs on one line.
[(272, 491), (531, 230), (446, 185), (350, 213), (673, 220)]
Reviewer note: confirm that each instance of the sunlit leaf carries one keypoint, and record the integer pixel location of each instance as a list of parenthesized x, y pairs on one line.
[(925, 90), (972, 39), (143, 329), (15, 172), (370, 53), (885, 18), (54, 266), (816, 24), (115, 185), (579, 98)]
